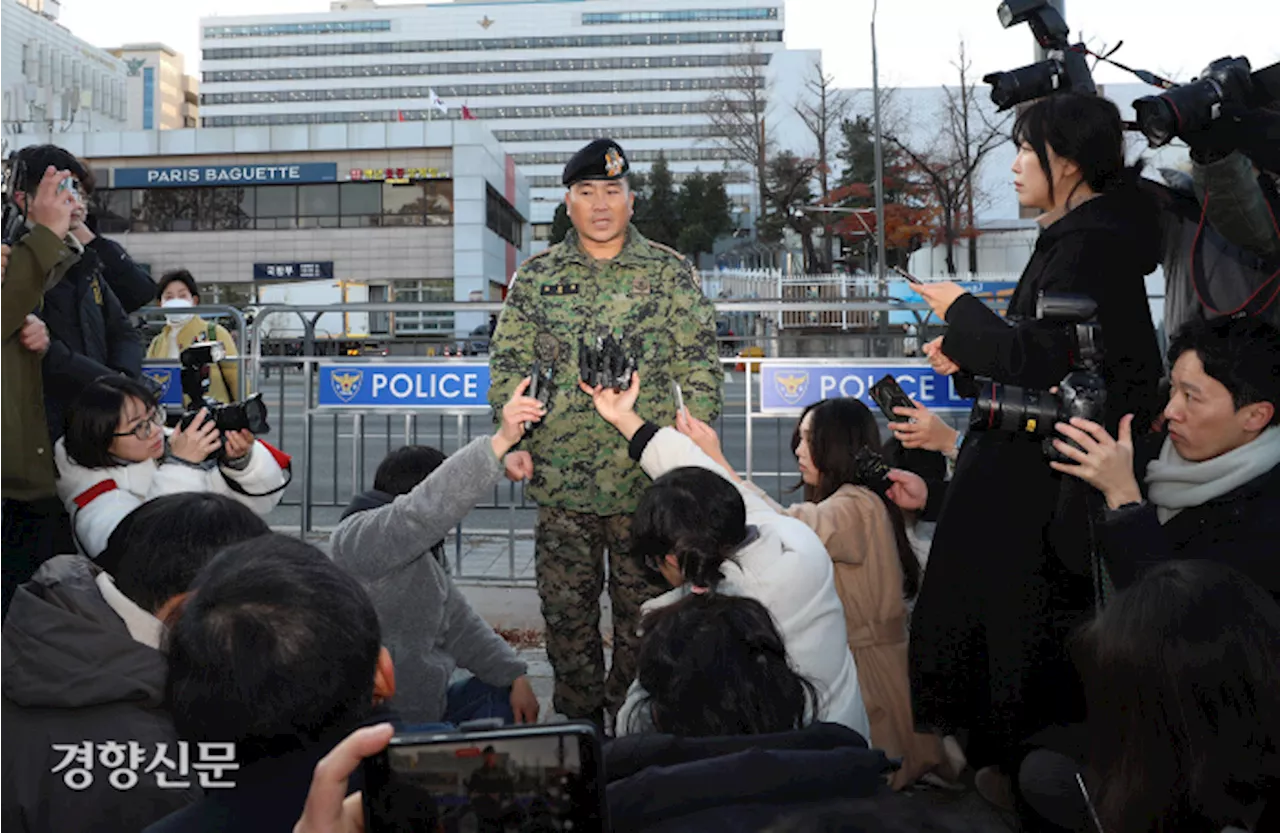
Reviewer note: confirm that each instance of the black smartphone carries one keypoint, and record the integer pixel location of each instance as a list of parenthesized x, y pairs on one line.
[(904, 273), (889, 395), (548, 777)]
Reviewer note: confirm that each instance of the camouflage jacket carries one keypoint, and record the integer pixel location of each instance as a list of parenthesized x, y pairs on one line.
[(650, 298)]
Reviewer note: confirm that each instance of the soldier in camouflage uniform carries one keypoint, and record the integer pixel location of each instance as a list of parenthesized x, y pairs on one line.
[(604, 279)]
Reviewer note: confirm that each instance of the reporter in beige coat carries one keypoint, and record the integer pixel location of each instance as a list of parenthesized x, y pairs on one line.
[(875, 569)]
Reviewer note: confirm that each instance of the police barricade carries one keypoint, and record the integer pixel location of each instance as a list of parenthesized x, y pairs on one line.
[(381, 402)]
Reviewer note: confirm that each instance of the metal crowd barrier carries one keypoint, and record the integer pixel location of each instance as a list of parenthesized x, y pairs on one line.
[(334, 450), (155, 368)]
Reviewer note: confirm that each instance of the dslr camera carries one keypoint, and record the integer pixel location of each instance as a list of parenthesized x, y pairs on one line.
[(251, 414), (1081, 393), (1227, 86), (1064, 70)]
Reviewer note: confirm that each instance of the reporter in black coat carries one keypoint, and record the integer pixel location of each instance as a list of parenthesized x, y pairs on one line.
[(1010, 572)]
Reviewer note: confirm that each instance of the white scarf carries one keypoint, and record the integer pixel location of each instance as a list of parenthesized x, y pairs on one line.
[(1174, 484)]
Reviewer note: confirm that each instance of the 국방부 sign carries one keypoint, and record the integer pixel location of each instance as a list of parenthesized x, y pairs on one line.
[(439, 385), (789, 388), (382, 174), (310, 271), (185, 177)]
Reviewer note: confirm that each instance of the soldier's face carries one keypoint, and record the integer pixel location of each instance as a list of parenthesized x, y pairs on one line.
[(600, 208)]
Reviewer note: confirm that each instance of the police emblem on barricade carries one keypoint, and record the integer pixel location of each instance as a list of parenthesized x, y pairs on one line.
[(792, 387), (613, 162), (347, 384), (162, 379)]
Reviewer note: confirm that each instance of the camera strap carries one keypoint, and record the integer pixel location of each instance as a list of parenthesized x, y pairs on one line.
[(284, 461)]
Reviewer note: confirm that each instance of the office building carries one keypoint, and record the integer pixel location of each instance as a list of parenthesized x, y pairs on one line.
[(164, 97), (546, 77), (54, 83), (406, 212)]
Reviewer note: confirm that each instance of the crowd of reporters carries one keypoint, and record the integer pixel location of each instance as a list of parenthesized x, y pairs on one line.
[(1100, 633)]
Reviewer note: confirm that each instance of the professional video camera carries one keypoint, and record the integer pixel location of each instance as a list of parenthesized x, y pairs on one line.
[(1064, 70), (1227, 87), (1081, 393), (606, 364), (251, 414)]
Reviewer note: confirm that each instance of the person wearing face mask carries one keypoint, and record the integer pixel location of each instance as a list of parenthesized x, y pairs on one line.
[(1010, 571), (179, 295)]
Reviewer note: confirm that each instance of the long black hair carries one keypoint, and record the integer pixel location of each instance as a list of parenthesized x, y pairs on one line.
[(838, 430), (1182, 676), (715, 665), (695, 515), (1086, 129)]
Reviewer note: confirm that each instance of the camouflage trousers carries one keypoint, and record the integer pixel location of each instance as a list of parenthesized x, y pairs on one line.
[(569, 552)]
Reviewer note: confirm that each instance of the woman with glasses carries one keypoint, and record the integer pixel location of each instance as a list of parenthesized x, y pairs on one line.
[(117, 454)]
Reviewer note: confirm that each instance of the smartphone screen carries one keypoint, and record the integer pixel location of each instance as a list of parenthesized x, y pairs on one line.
[(542, 778)]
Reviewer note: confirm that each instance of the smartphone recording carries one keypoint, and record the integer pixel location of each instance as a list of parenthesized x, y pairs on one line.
[(544, 778)]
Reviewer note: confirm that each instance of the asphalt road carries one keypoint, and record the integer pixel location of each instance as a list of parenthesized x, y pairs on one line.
[(336, 476)]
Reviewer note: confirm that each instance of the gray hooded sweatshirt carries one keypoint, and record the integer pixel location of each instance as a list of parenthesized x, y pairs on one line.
[(427, 624)]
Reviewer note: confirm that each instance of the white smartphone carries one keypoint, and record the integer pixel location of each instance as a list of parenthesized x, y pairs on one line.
[(678, 396)]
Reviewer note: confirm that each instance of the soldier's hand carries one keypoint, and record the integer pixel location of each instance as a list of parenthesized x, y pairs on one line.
[(518, 410)]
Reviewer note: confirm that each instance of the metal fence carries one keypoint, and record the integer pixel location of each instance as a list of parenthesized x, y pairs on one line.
[(336, 452)]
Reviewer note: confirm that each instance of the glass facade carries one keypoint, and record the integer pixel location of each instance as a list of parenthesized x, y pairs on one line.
[(328, 27), (439, 290), (586, 134), (262, 207), (479, 90), (148, 98), (678, 16), (502, 218), (553, 181), (482, 67), (560, 157), (310, 50), (557, 111)]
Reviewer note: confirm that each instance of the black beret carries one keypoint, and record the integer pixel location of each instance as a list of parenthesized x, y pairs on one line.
[(602, 159)]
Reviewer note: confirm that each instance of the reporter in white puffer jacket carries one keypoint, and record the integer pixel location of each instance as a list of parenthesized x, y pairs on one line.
[(117, 454)]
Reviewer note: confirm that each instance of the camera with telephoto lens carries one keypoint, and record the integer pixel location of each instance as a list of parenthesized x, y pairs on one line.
[(1064, 70), (1081, 393), (250, 415), (605, 364), (1228, 85)]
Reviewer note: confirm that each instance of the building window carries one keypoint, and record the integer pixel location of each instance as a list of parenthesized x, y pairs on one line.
[(541, 231), (148, 98), (678, 16), (502, 218), (559, 111), (222, 209), (429, 202), (311, 50), (112, 209), (439, 290), (318, 206), (278, 207), (361, 203), (474, 67), (333, 27), (456, 91), (554, 157)]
